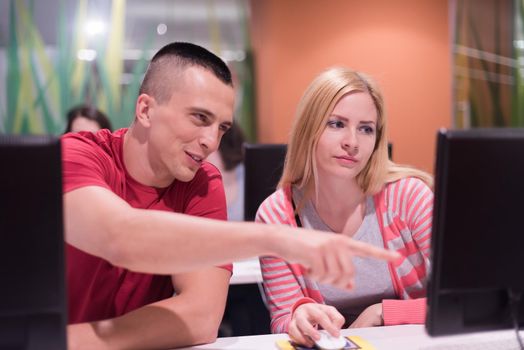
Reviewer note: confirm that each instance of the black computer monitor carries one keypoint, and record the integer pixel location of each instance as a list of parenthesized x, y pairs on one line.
[(477, 248), (32, 291), (263, 168)]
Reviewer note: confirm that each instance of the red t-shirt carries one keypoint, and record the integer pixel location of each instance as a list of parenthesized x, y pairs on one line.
[(96, 289)]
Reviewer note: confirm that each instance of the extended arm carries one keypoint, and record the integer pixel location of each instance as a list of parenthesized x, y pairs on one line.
[(191, 317), (100, 223)]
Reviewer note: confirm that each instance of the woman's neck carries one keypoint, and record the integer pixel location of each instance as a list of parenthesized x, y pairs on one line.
[(340, 204)]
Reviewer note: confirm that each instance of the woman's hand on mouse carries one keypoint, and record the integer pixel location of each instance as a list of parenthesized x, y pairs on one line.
[(308, 317)]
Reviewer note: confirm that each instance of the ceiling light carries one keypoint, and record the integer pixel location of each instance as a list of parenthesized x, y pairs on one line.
[(161, 29), (95, 27)]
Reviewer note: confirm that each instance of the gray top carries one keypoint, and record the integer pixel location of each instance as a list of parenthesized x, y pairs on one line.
[(372, 286)]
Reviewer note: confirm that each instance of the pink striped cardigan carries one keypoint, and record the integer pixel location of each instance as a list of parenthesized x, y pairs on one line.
[(404, 212)]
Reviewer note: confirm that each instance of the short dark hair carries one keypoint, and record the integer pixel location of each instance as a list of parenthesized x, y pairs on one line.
[(181, 54), (88, 112), (230, 149)]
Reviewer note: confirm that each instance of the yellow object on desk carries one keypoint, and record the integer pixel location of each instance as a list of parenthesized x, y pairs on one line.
[(353, 343)]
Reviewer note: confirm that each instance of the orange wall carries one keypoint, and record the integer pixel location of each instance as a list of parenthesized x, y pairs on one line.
[(403, 44)]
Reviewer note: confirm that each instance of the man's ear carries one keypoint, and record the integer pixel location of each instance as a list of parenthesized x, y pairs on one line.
[(144, 107)]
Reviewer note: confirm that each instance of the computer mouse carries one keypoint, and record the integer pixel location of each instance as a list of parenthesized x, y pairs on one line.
[(329, 342)]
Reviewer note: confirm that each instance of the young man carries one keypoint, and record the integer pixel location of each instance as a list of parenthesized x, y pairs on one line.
[(127, 199)]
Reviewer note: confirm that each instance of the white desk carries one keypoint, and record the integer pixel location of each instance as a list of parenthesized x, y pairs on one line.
[(246, 271), (407, 337)]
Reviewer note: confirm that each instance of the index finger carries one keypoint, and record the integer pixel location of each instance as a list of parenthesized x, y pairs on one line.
[(330, 325), (366, 250), (336, 318)]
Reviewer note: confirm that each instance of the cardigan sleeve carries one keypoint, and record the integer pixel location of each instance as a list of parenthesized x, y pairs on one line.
[(281, 280), (416, 211), (419, 214), (283, 292), (411, 311)]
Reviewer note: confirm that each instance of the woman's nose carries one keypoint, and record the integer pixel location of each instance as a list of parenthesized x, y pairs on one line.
[(350, 142)]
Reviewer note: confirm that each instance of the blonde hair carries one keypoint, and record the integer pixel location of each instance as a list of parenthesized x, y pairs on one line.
[(312, 114)]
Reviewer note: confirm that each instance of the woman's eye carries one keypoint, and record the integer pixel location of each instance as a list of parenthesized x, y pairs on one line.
[(367, 129), (335, 124)]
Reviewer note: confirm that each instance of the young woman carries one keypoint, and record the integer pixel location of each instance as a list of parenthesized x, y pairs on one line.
[(338, 178)]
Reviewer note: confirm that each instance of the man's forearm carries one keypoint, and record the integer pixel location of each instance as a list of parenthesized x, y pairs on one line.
[(154, 326)]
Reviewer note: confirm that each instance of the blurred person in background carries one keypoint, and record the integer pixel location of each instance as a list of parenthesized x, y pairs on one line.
[(86, 118), (229, 159)]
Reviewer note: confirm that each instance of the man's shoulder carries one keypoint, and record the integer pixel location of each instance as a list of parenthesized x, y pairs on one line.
[(92, 159), (100, 138), (103, 141)]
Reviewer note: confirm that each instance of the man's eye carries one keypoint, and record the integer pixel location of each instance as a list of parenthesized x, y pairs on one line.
[(201, 117), (224, 128)]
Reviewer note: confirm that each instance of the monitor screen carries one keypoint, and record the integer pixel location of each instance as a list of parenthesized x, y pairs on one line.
[(263, 168), (32, 293), (477, 240)]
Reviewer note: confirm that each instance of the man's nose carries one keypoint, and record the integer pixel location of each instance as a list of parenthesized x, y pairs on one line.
[(210, 139)]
